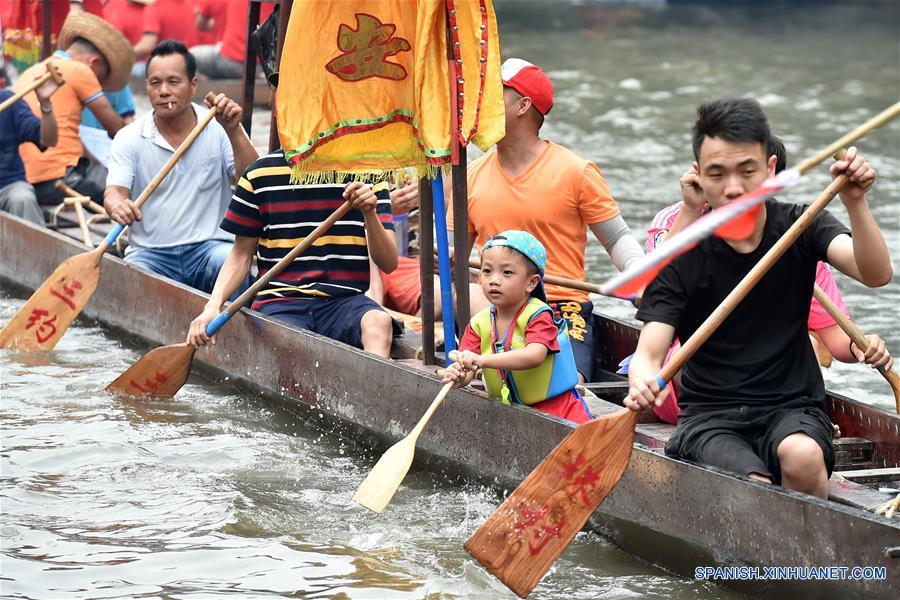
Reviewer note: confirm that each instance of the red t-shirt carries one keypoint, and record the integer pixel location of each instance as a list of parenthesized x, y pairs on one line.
[(167, 19), (234, 38), (127, 16), (217, 10), (19, 14)]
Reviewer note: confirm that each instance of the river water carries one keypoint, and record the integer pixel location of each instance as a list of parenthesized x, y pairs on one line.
[(217, 492)]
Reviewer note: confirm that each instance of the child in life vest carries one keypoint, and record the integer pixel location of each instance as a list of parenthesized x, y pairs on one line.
[(524, 353)]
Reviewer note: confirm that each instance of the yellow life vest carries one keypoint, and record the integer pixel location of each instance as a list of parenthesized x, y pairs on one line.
[(556, 375)]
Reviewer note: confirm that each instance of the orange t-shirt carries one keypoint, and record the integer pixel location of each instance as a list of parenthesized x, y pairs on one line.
[(68, 103), (555, 200)]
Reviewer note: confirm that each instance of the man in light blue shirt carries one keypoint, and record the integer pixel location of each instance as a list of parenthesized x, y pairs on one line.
[(93, 134), (176, 233)]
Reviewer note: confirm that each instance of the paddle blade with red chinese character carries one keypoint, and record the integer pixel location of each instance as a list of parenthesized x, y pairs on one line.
[(46, 316), (160, 373), (523, 538)]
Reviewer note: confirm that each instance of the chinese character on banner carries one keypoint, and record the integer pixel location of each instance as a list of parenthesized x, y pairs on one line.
[(386, 89), (366, 50), (47, 329)]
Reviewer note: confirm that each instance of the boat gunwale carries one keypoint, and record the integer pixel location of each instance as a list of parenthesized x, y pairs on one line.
[(623, 509)]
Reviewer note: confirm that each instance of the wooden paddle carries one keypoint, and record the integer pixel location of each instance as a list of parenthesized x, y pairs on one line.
[(382, 482), (46, 316), (522, 539), (65, 189), (53, 72), (162, 371), (858, 338), (574, 284)]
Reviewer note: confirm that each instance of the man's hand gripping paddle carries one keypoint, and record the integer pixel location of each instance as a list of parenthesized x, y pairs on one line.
[(858, 338)]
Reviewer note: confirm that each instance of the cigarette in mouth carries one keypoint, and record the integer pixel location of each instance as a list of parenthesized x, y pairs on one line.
[(170, 106)]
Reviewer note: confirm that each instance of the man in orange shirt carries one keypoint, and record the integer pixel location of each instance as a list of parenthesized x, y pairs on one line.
[(96, 57), (540, 187)]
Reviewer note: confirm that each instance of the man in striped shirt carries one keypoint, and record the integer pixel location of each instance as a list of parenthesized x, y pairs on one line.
[(322, 290)]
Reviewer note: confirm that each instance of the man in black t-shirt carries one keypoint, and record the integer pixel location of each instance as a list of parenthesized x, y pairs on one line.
[(752, 397)]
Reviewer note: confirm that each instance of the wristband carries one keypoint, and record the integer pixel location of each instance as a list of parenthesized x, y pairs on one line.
[(46, 111)]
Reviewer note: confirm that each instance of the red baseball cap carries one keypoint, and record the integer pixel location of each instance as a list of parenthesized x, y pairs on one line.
[(529, 80)]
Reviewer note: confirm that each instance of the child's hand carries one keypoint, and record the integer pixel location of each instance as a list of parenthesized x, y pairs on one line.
[(469, 360), (454, 374)]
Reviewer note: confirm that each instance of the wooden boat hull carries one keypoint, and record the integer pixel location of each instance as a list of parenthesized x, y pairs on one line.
[(675, 514)]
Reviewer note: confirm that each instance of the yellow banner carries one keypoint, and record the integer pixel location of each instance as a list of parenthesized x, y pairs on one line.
[(367, 87)]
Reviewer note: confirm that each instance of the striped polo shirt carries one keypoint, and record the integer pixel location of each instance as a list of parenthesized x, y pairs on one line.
[(267, 206)]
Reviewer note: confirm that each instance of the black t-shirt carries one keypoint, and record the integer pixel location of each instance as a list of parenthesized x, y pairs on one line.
[(760, 355)]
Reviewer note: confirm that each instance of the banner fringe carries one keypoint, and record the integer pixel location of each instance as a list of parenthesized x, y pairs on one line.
[(398, 176)]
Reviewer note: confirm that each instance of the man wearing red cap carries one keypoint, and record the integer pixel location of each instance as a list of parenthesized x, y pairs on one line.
[(538, 186)]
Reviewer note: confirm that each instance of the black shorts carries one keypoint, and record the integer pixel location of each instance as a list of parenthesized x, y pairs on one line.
[(337, 318), (579, 318), (746, 440)]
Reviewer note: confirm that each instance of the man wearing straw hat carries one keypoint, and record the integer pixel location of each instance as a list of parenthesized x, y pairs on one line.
[(94, 58)]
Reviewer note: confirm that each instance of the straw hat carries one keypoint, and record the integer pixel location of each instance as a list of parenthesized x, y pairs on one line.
[(112, 44)]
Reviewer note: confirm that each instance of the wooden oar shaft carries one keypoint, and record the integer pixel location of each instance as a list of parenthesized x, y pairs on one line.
[(170, 164), (737, 295), (299, 249), (417, 430), (31, 87), (849, 327), (573, 284), (875, 122), (858, 337), (65, 189)]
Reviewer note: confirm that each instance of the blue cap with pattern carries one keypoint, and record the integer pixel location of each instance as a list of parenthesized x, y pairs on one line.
[(527, 245)]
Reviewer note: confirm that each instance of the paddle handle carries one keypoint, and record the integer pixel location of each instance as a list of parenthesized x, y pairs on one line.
[(882, 118), (573, 284), (52, 73), (849, 327), (858, 337), (740, 292), (116, 231), (420, 426), (222, 318)]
